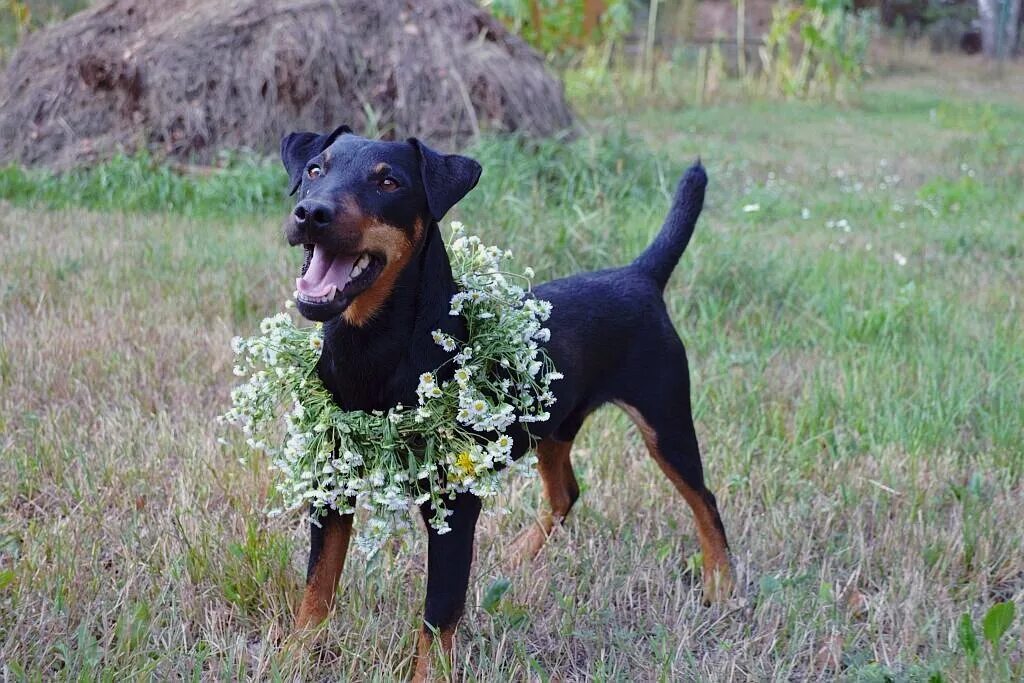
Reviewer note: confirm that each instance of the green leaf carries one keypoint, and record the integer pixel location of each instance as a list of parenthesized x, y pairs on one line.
[(997, 621), (6, 578), (694, 562), (664, 550), (494, 593), (967, 637), (769, 585)]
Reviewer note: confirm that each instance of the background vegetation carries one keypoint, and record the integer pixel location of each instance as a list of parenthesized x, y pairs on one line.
[(18, 17), (851, 306)]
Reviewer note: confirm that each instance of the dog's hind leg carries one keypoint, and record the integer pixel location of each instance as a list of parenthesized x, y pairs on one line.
[(560, 490), (662, 414), (328, 546)]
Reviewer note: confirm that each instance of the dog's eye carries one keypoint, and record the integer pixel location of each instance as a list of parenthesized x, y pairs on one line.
[(314, 172), (389, 184)]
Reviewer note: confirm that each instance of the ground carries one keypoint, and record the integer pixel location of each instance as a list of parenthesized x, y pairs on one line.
[(851, 303)]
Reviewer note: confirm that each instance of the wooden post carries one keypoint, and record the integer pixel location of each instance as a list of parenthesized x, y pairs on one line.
[(652, 28), (741, 38), (536, 19), (702, 74), (592, 11)]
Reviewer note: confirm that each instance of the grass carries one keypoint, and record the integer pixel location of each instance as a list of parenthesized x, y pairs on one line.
[(241, 184), (17, 17), (861, 420)]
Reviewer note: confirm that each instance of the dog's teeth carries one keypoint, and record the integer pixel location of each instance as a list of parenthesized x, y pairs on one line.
[(356, 271), (318, 299), (363, 261)]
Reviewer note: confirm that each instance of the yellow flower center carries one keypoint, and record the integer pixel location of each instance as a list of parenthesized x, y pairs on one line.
[(464, 462)]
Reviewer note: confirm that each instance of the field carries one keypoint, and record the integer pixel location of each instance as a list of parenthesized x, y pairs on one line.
[(851, 303)]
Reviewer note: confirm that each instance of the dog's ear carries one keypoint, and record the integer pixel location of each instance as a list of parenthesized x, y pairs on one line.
[(447, 178), (298, 148)]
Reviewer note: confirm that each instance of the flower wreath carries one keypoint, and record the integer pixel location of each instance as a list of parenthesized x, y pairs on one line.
[(329, 457)]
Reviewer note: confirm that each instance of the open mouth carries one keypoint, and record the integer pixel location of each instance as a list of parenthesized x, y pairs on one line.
[(328, 277)]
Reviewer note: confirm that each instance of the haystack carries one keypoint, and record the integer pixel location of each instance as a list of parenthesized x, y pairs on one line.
[(187, 78)]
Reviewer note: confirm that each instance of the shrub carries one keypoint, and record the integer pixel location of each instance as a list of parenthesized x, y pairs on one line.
[(815, 49)]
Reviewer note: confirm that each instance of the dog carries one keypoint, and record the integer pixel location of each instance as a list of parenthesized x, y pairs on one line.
[(377, 275)]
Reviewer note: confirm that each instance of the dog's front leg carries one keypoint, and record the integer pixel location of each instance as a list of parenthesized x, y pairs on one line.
[(328, 546), (449, 557)]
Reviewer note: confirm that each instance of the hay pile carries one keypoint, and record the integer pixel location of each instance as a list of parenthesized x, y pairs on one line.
[(189, 77)]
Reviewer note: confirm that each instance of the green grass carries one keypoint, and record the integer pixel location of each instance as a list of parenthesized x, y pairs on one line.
[(240, 184), (861, 420), (14, 24)]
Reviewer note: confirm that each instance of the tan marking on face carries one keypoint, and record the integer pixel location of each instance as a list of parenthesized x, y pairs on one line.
[(322, 584), (381, 238), (381, 168), (718, 579)]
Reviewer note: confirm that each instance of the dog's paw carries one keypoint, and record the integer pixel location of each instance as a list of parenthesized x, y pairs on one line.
[(525, 546), (718, 585)]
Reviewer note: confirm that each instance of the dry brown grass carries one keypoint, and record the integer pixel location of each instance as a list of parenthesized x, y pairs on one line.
[(863, 438)]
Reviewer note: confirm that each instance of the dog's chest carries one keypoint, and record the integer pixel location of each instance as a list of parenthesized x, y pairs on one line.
[(366, 383), (379, 368)]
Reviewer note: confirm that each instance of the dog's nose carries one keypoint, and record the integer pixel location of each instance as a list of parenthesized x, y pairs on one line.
[(310, 213)]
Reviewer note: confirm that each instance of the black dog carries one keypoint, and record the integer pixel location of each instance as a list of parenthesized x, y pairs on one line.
[(377, 275)]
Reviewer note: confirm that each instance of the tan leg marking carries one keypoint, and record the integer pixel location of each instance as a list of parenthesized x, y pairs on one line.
[(424, 654), (718, 580), (321, 586), (560, 490)]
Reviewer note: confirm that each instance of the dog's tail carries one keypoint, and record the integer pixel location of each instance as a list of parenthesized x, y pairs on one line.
[(661, 257)]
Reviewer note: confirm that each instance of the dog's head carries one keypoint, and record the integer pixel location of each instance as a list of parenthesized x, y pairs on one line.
[(362, 212)]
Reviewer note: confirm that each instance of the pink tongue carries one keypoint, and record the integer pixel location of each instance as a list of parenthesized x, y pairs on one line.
[(325, 270)]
